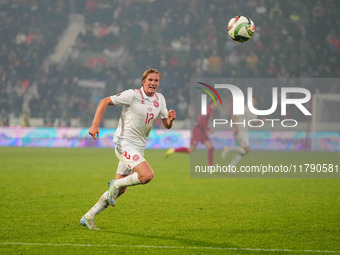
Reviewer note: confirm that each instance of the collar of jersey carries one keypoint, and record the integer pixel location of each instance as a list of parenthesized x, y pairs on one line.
[(153, 98)]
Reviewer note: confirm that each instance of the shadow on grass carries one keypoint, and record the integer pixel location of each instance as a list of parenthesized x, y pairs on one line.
[(182, 240)]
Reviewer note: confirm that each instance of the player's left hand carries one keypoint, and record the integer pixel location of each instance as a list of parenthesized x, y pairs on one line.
[(172, 114)]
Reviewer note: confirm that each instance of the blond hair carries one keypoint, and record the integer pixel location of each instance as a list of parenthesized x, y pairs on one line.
[(147, 72)]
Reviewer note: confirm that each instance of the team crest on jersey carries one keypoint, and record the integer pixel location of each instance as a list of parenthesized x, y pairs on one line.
[(135, 157), (150, 109), (156, 104), (142, 102)]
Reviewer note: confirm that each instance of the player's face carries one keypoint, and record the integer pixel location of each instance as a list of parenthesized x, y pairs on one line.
[(150, 84)]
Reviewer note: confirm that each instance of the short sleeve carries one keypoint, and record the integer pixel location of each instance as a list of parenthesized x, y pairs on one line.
[(123, 98), (163, 114)]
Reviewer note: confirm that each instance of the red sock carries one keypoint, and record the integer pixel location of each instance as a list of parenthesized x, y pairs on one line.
[(210, 156), (182, 149)]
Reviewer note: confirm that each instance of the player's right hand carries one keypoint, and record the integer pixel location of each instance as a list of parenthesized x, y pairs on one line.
[(94, 132)]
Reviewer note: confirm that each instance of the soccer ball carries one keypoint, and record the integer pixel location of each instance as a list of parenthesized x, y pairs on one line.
[(241, 28)]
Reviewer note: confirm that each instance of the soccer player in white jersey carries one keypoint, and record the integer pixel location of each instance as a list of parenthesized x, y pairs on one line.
[(241, 135), (140, 108)]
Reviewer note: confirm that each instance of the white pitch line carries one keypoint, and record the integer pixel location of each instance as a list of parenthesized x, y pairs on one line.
[(169, 247)]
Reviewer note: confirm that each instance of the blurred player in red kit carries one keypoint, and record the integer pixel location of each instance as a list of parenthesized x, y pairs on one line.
[(200, 133)]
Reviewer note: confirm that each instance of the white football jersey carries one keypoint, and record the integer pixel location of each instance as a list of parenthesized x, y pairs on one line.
[(138, 115), (248, 115)]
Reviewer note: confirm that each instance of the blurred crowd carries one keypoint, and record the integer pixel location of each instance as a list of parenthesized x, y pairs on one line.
[(182, 39)]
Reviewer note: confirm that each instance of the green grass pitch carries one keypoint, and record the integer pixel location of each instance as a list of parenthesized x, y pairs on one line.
[(44, 192)]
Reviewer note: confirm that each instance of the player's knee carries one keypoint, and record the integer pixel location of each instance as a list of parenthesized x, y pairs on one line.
[(146, 177), (247, 150)]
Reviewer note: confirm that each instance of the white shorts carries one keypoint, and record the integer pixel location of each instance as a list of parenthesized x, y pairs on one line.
[(242, 138), (129, 157)]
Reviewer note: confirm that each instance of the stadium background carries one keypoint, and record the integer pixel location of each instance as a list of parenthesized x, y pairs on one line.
[(58, 59)]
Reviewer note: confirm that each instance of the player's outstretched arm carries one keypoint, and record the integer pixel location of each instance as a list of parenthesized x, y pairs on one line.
[(168, 122), (94, 130)]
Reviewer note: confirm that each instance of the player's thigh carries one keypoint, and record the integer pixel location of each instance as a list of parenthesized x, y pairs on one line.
[(134, 159)]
